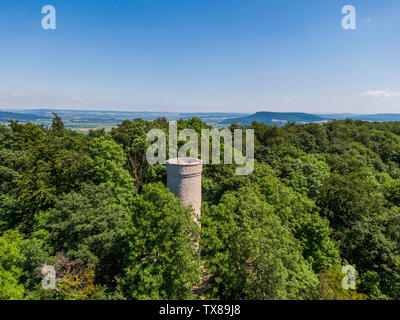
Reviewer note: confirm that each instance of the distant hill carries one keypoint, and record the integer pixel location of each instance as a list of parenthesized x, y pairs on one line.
[(6, 115), (380, 117), (278, 118)]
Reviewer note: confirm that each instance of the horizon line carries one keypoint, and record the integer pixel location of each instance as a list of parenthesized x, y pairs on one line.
[(193, 112)]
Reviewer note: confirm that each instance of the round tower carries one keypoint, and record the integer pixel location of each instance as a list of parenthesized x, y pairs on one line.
[(184, 181)]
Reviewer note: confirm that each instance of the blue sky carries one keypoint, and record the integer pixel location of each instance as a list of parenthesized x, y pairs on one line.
[(201, 56)]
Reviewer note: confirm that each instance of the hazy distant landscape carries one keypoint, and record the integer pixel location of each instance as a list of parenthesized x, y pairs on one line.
[(84, 120)]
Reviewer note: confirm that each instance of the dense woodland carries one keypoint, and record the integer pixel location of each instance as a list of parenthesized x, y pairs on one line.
[(320, 197)]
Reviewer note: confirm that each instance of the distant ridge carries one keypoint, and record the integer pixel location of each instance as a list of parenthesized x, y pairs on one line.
[(381, 117), (278, 118), (6, 115)]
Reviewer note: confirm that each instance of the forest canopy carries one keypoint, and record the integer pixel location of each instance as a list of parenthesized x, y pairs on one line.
[(321, 196)]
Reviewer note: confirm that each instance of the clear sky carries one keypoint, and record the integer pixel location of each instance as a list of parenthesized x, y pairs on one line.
[(201, 56)]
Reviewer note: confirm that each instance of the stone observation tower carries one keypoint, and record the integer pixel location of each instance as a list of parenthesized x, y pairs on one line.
[(184, 181)]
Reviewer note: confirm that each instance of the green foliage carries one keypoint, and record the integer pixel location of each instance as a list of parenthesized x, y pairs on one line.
[(346, 199), (372, 245), (33, 256), (305, 174), (57, 126), (108, 163), (250, 254), (132, 136), (370, 285), (330, 287), (300, 215), (89, 226), (10, 288), (162, 260), (392, 192)]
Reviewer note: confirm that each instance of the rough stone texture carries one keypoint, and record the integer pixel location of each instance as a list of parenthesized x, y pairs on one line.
[(184, 181)]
